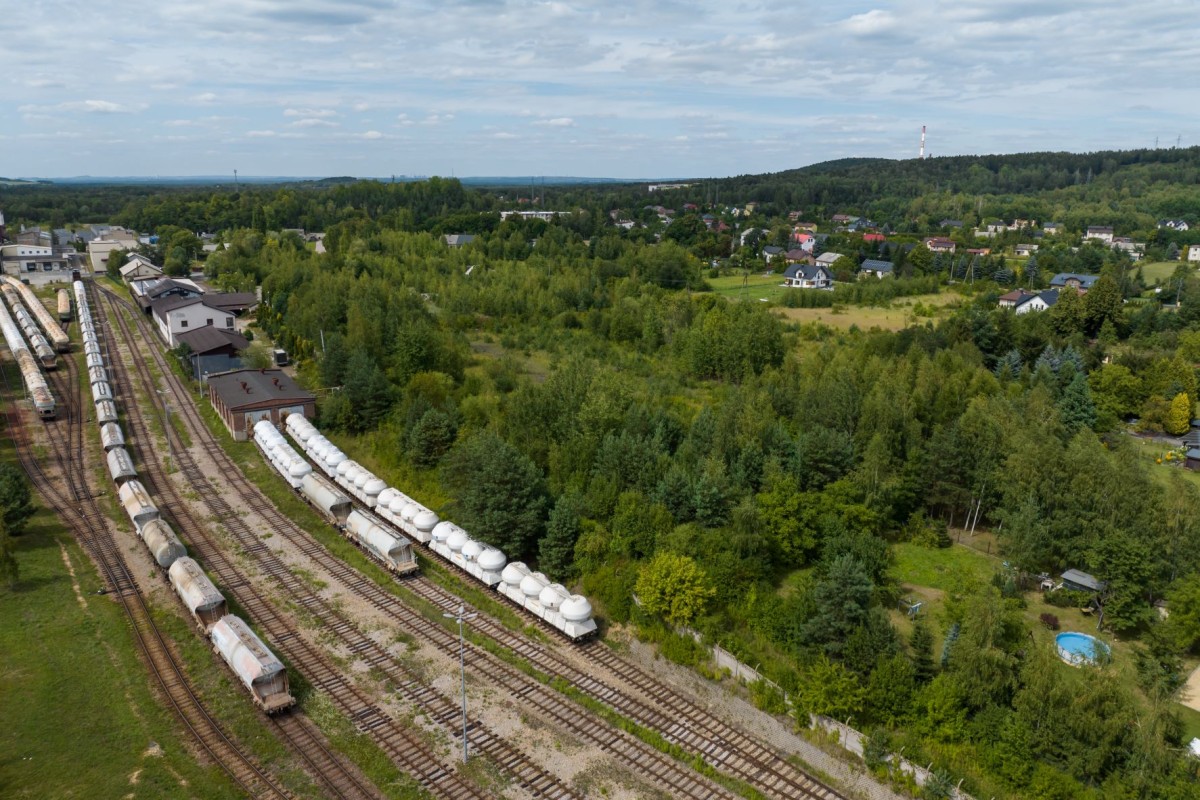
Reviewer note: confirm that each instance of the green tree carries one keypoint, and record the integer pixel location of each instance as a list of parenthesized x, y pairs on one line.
[(116, 260), (828, 689), (556, 550), (841, 597), (1075, 406), (921, 645), (16, 500), (675, 587), (1182, 628), (1068, 314), (431, 438), (257, 356), (891, 688), (1179, 417), (500, 493), (1103, 302)]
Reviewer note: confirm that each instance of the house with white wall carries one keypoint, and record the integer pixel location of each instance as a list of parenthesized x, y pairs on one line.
[(174, 315)]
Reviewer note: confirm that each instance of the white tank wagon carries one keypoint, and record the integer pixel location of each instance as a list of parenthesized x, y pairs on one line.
[(299, 428), (275, 449), (92, 348), (392, 550), (120, 465), (31, 374), (440, 538), (111, 436), (101, 391), (137, 503), (106, 411), (97, 374), (29, 329), (490, 566), (64, 305), (255, 666), (162, 543), (54, 331), (325, 497), (197, 592)]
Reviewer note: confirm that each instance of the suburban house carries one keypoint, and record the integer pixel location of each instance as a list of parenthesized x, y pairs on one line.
[(1193, 252), (844, 219), (243, 397), (174, 315), (798, 256), (950, 223), (1018, 224), (805, 241), (746, 235), (1025, 249), (979, 251), (771, 252), (992, 228), (1022, 302), (1128, 245), (804, 276), (458, 239), (939, 244), (1173, 224), (810, 227), (880, 269), (827, 260), (1079, 581), (1052, 228), (1102, 233), (1080, 283)]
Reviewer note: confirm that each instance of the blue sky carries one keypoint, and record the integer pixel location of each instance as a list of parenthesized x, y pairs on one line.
[(625, 88)]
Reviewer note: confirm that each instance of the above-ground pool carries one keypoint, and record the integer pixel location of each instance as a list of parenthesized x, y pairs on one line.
[(1080, 648)]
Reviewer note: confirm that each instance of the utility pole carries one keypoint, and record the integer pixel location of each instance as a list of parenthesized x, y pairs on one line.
[(460, 618)]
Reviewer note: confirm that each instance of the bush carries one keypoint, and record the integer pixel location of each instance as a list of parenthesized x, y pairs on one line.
[(1049, 620), (1068, 598)]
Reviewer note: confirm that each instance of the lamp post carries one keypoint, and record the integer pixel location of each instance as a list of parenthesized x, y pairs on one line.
[(167, 422), (460, 618)]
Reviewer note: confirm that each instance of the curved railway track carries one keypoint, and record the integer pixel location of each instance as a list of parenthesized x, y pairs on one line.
[(79, 510), (671, 776), (407, 751), (609, 679)]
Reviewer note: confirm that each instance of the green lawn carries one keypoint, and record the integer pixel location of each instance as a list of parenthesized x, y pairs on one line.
[(756, 287), (1156, 271), (78, 718), (939, 567)]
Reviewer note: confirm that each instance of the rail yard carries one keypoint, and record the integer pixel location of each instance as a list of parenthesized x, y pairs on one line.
[(305, 613)]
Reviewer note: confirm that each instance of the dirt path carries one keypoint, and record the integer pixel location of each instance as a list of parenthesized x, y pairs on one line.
[(1190, 696)]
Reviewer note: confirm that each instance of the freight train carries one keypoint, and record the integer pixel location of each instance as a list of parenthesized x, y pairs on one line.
[(254, 665), (401, 516), (31, 374)]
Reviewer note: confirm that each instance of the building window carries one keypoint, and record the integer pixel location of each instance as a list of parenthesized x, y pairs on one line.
[(183, 323), (229, 322), (208, 321)]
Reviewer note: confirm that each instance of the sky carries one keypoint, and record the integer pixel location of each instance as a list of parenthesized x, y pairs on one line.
[(620, 88)]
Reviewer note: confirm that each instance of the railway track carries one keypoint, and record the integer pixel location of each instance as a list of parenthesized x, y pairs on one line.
[(667, 773), (644, 699), (407, 751), (78, 509)]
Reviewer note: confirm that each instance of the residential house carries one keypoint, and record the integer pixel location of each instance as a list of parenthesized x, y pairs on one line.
[(798, 256), (1193, 252), (146, 290), (1080, 283), (138, 267), (874, 237), (940, 244), (748, 234), (1173, 224), (992, 228), (950, 223), (1128, 245), (808, 227), (806, 276), (771, 252), (1019, 224), (1026, 249), (1022, 302), (827, 260), (1079, 581), (1100, 233), (805, 241), (174, 315), (458, 239), (1052, 228), (880, 269), (844, 219)]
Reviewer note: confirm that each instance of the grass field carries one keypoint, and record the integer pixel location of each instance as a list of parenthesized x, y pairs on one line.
[(897, 316), (1157, 271), (756, 287), (78, 718)]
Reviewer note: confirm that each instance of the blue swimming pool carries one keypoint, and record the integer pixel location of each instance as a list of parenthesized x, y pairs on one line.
[(1080, 648)]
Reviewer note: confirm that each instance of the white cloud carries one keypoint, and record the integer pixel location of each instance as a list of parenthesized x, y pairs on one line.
[(872, 22), (260, 134), (556, 122), (310, 112), (504, 135), (313, 122), (205, 98), (361, 107), (372, 135)]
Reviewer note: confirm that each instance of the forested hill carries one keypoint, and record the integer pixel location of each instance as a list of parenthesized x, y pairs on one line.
[(861, 182)]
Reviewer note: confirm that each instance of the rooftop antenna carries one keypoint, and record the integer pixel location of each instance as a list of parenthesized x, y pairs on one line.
[(235, 182), (921, 152)]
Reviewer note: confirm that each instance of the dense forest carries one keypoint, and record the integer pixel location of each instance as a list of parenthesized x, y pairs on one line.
[(574, 393)]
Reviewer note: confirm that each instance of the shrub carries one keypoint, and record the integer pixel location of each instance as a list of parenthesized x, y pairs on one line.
[(1049, 620), (1067, 598)]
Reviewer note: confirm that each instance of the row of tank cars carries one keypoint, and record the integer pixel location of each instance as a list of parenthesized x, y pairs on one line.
[(21, 334), (385, 514), (251, 661)]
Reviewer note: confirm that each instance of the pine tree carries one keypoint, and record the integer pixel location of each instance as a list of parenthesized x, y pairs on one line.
[(921, 643), (556, 550), (1179, 417), (1075, 407), (1033, 275), (948, 644)]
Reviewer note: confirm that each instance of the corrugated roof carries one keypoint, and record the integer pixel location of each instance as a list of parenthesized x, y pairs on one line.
[(231, 301), (210, 337), (249, 387)]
